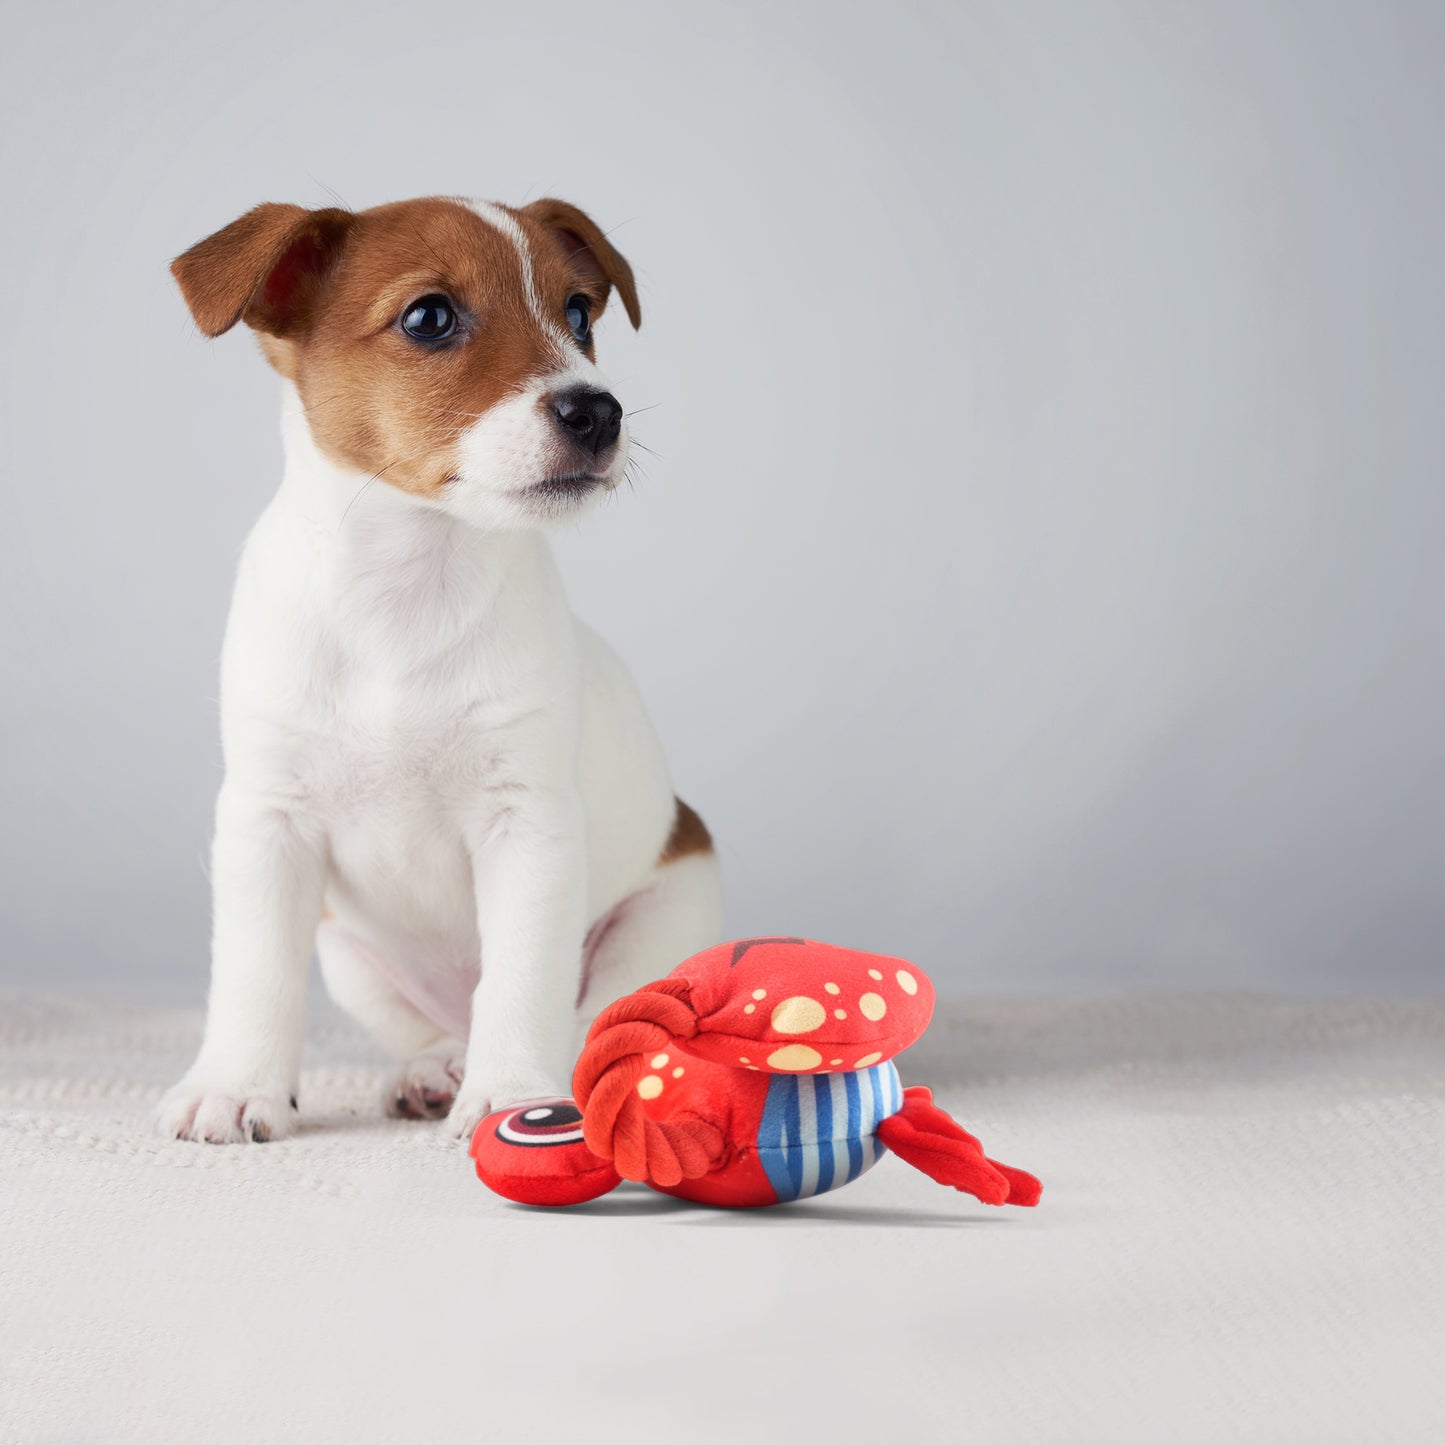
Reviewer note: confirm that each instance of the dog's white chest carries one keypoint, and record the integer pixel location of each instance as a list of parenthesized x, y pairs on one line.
[(399, 719), (398, 849), (407, 778)]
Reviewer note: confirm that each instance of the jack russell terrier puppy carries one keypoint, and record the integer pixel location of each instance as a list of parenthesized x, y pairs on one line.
[(434, 773)]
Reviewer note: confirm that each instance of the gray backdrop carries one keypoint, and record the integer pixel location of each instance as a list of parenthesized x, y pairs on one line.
[(1038, 575)]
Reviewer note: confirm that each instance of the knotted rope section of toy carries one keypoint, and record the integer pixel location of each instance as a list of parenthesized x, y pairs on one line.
[(604, 1084)]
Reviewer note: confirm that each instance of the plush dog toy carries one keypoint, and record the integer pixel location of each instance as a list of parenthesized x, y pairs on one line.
[(755, 1073)]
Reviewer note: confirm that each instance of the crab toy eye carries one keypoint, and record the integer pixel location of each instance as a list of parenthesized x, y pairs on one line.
[(541, 1125), (534, 1153)]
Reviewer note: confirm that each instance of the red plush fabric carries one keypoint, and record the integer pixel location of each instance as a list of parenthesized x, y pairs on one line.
[(780, 1005), (943, 1149), (791, 1005), (693, 1093), (534, 1153)]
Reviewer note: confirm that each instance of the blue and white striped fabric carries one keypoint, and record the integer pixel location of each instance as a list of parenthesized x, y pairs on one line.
[(818, 1131)]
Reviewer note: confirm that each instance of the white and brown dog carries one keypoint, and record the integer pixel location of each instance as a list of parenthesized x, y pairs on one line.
[(434, 772)]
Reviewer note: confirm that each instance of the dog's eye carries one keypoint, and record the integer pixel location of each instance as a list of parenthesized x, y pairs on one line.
[(578, 318), (433, 318)]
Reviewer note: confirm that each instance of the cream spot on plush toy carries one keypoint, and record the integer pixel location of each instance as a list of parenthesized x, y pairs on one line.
[(677, 1072), (867, 1061), (750, 1008), (872, 1007), (873, 973), (760, 993), (798, 1015), (650, 1087), (795, 1058), (831, 987), (835, 1062), (660, 1062), (840, 1013), (906, 981), (743, 1059)]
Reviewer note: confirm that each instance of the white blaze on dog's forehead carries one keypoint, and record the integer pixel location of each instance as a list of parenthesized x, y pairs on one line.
[(507, 224), (514, 444)]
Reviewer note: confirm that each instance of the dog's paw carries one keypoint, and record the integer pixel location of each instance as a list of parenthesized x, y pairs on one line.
[(424, 1087), (213, 1114), (476, 1100)]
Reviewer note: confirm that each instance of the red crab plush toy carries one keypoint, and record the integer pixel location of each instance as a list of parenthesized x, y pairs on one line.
[(755, 1073)]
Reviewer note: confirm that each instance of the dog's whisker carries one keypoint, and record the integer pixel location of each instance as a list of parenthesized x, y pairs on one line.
[(335, 195), (376, 477), (347, 512)]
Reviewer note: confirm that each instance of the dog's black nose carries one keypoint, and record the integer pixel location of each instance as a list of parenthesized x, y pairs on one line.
[(593, 419)]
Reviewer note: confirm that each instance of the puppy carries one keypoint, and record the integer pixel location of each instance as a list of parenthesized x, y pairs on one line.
[(434, 773)]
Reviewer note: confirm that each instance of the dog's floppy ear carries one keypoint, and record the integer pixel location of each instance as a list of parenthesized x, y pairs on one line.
[(267, 269), (589, 250)]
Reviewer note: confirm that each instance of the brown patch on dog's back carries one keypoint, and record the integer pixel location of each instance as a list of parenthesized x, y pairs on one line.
[(689, 835)]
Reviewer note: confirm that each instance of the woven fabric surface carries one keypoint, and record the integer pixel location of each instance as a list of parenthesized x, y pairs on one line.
[(1239, 1241)]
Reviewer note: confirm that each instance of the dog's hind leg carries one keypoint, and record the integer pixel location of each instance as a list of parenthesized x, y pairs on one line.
[(426, 1082)]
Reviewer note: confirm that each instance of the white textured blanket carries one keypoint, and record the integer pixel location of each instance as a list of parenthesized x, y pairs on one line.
[(1240, 1240)]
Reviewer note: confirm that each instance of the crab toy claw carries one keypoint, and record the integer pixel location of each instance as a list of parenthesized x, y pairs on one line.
[(921, 1134)]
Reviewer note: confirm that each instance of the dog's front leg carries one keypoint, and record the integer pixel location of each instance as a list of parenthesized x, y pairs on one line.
[(530, 871), (267, 871)]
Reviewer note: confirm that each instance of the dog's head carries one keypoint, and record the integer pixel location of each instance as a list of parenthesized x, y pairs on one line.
[(440, 345)]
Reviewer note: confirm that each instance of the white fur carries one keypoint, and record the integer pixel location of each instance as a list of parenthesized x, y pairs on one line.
[(421, 739), (513, 447)]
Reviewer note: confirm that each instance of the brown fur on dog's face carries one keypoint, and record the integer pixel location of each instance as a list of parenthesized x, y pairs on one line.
[(327, 292)]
